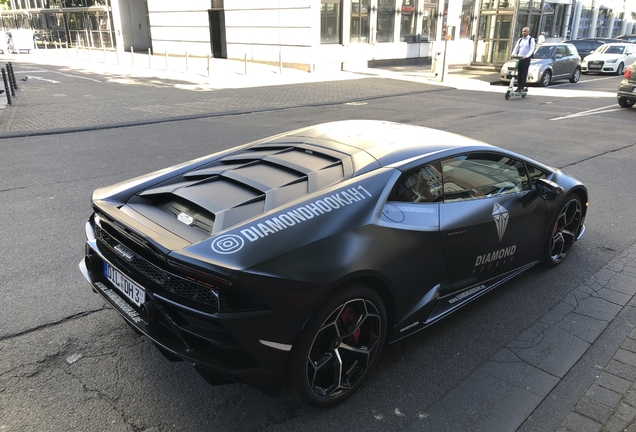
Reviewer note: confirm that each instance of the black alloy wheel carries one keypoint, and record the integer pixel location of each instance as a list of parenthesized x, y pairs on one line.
[(546, 78), (564, 231), (576, 75), (626, 103), (339, 346)]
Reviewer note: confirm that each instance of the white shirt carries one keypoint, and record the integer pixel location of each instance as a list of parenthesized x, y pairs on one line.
[(541, 39), (524, 46)]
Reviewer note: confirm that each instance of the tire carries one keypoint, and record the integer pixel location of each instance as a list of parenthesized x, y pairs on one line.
[(563, 231), (338, 347), (626, 103), (576, 76), (620, 69), (546, 78), (507, 95)]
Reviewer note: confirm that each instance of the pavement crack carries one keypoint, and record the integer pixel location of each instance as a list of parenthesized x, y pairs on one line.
[(598, 155), (12, 189), (484, 114), (52, 324)]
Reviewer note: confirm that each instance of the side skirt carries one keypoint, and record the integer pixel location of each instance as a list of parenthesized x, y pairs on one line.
[(449, 304)]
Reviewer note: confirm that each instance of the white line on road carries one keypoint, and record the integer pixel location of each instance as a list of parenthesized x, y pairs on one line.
[(56, 72), (600, 110), (42, 79)]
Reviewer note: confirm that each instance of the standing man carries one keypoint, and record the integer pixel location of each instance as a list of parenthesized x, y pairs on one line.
[(523, 49), (541, 38)]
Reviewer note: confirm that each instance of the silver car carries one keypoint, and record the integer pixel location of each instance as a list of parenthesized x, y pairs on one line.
[(550, 62)]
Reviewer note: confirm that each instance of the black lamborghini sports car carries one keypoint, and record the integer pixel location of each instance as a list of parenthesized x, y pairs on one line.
[(294, 259)]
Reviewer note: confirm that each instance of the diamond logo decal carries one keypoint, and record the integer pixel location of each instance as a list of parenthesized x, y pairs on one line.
[(500, 215)]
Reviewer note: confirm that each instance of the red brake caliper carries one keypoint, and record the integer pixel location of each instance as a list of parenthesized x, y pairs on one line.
[(348, 316)]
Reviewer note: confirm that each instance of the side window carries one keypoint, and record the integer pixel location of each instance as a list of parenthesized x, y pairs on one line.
[(561, 50), (423, 184), (482, 175), (535, 174), (570, 50)]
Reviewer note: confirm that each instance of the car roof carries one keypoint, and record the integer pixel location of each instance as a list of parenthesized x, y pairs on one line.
[(387, 142)]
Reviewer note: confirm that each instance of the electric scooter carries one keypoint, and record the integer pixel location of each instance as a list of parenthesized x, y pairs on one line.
[(511, 87)]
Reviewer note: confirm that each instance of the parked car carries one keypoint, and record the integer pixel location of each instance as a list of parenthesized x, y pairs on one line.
[(631, 38), (585, 47), (295, 258), (627, 88), (550, 62), (610, 58)]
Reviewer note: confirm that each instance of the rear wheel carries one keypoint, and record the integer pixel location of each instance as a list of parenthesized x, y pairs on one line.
[(576, 75), (564, 230), (620, 69), (626, 103), (339, 346), (546, 78)]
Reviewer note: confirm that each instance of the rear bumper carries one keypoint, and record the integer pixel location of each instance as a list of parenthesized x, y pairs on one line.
[(627, 89), (251, 347)]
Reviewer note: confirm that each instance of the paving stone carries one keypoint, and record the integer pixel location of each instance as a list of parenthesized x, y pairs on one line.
[(626, 412), (625, 356), (614, 424), (598, 308), (629, 345), (582, 326), (577, 422), (594, 410), (603, 395), (623, 283), (630, 398), (614, 383), (622, 370), (555, 352)]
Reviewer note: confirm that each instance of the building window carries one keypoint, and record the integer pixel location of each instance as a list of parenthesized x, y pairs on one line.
[(386, 20), (429, 22), (465, 26), (330, 27), (408, 21), (360, 21)]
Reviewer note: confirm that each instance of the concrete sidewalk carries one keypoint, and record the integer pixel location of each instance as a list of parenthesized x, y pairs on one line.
[(573, 370)]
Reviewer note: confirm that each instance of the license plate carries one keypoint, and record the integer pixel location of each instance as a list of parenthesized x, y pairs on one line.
[(594, 66), (131, 290)]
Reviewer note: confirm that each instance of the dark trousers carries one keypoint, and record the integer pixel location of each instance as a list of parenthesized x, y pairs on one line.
[(524, 65)]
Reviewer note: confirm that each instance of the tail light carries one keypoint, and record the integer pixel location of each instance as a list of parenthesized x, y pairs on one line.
[(628, 73)]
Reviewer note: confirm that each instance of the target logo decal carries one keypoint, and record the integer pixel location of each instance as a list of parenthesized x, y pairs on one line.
[(228, 244)]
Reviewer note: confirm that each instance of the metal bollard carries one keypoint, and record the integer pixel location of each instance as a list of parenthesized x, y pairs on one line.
[(10, 79), (6, 87), (245, 64), (12, 75), (208, 65), (149, 59), (132, 56)]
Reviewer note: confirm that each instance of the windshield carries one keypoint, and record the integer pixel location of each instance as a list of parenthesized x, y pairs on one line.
[(543, 52), (611, 49)]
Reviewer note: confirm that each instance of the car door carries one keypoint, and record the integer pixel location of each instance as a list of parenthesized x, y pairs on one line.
[(630, 56), (491, 220), (560, 65)]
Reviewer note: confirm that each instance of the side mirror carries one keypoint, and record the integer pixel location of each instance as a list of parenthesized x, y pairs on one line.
[(548, 190), (558, 56)]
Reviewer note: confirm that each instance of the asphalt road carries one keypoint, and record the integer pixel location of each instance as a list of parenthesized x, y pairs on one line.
[(67, 362)]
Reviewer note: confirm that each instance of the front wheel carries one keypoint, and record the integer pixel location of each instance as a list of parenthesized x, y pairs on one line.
[(507, 96), (563, 232), (546, 78), (337, 349), (626, 103), (620, 69), (576, 75)]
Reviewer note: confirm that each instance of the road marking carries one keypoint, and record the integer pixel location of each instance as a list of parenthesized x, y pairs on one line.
[(56, 72), (42, 79), (600, 110)]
